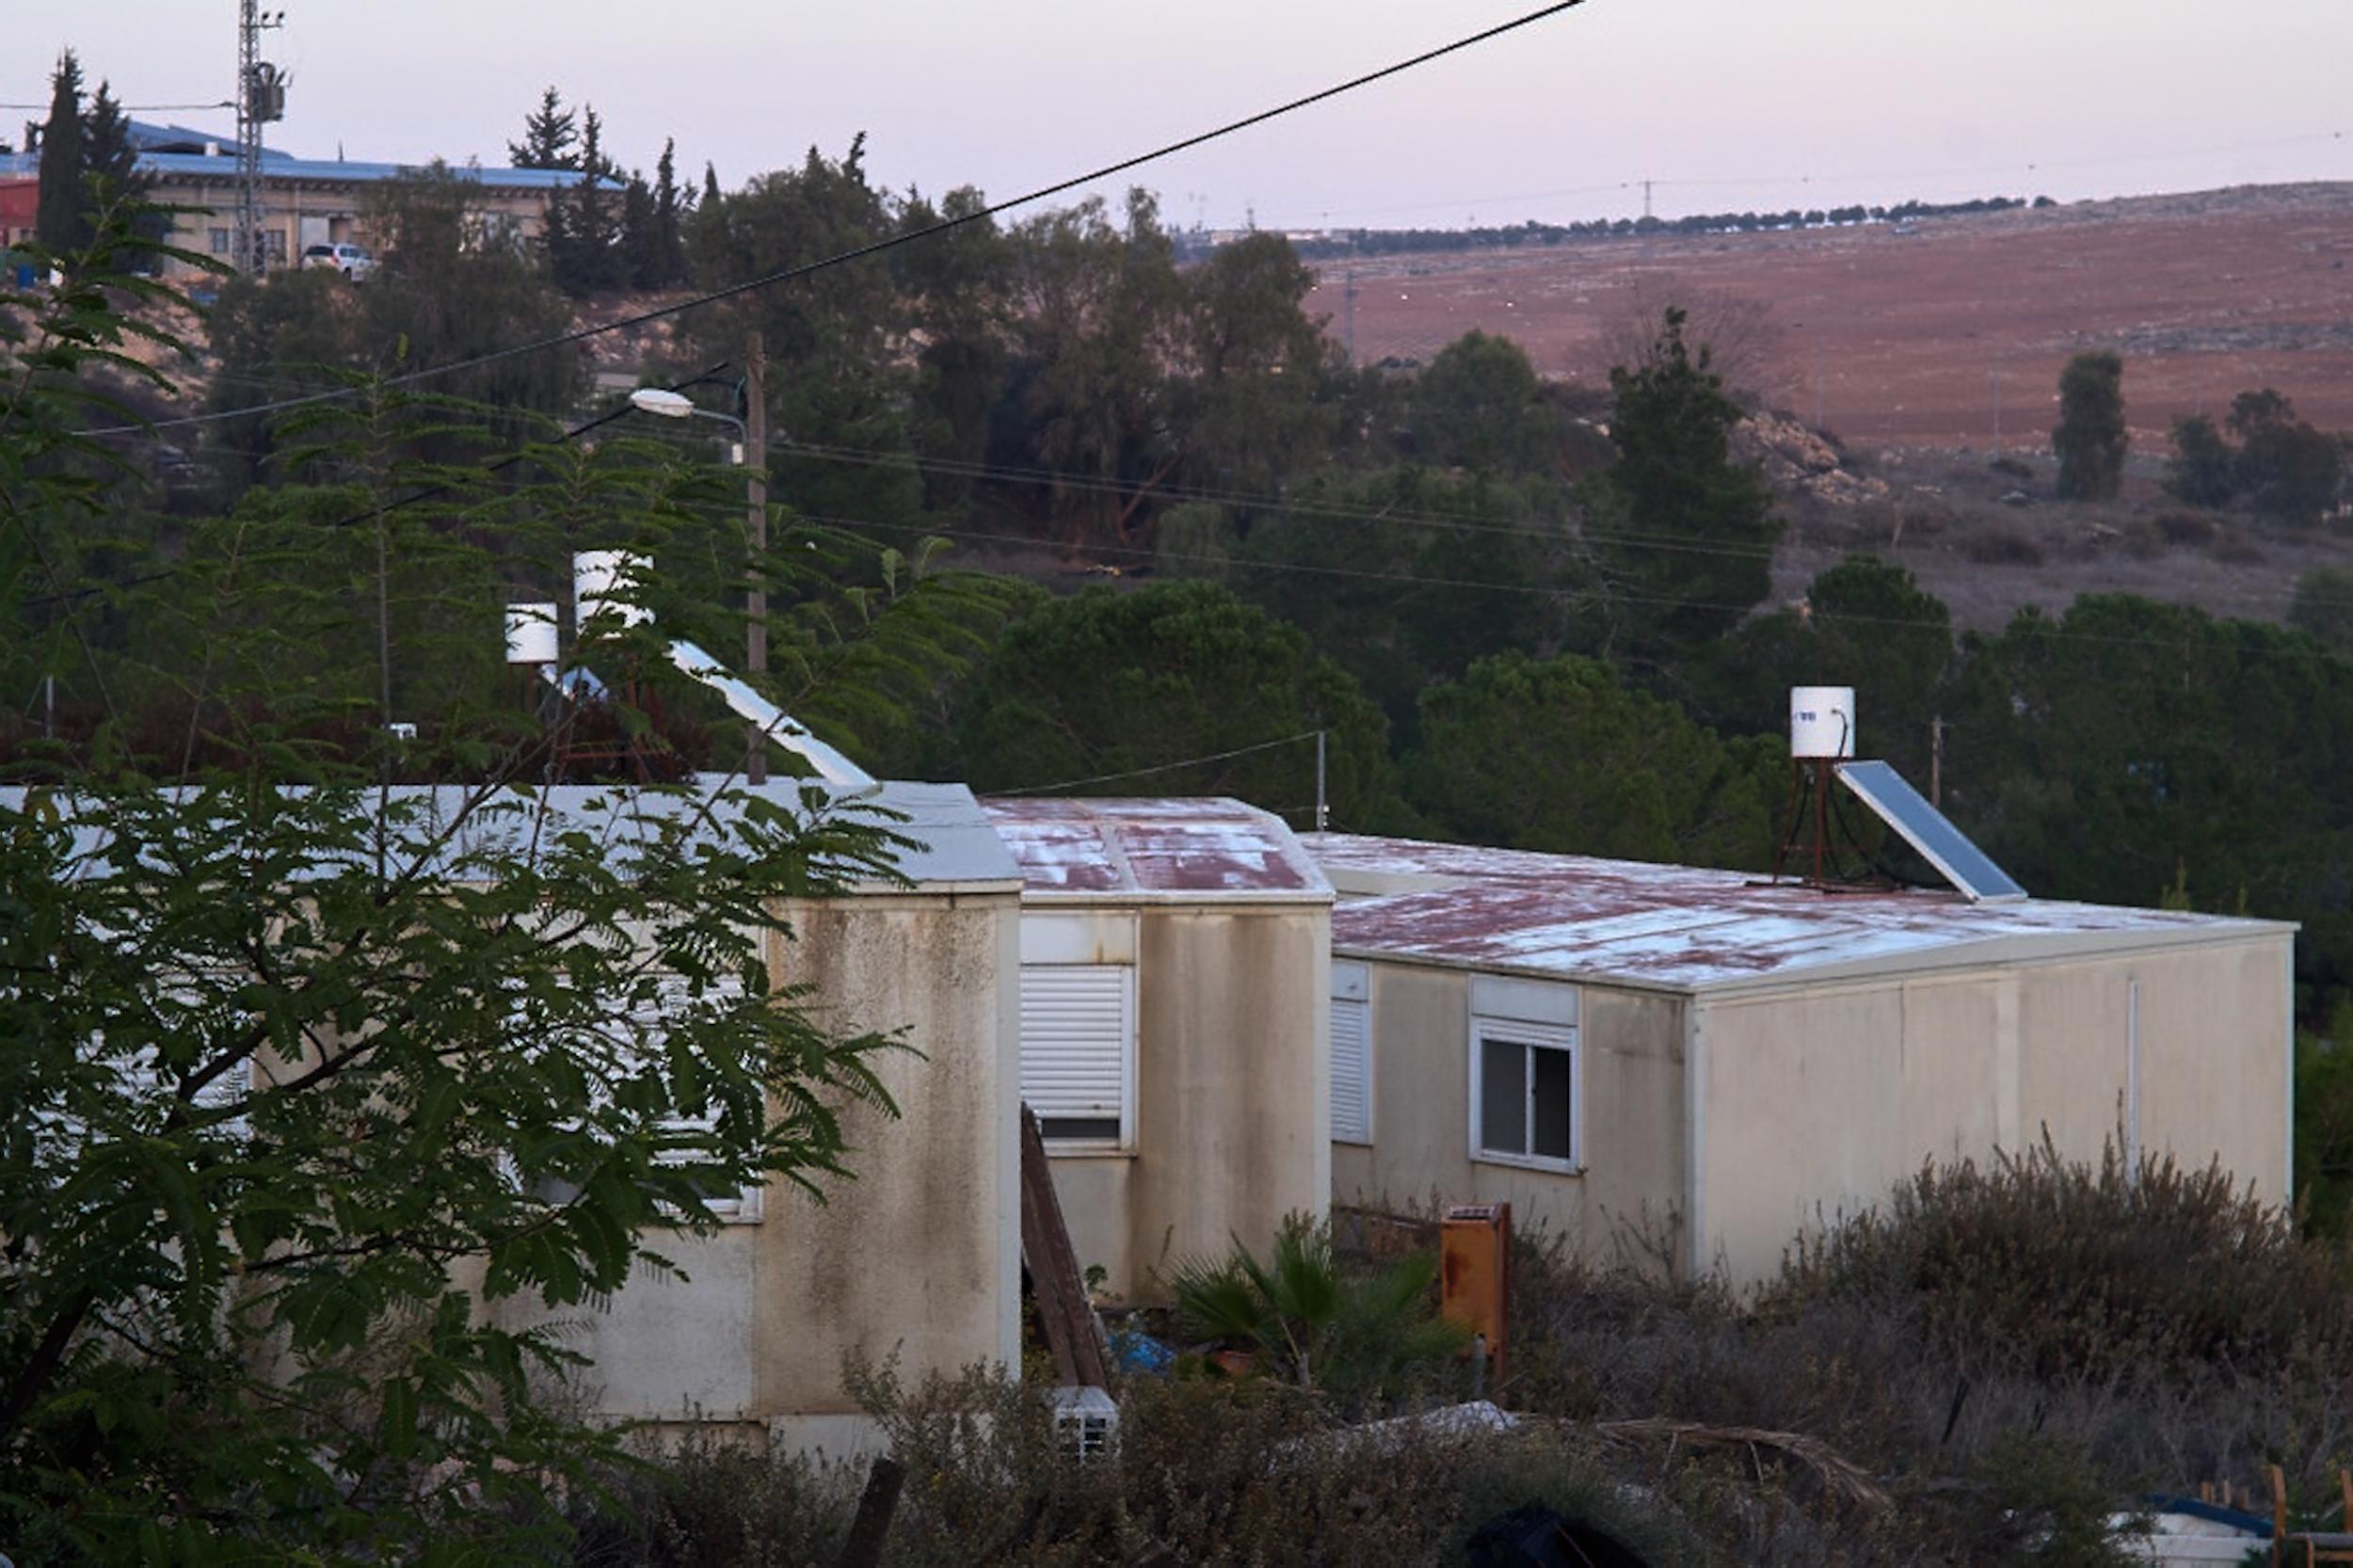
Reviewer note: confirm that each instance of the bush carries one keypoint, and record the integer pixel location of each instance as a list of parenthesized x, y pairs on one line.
[(2000, 543), (2123, 1271), (1212, 1471), (2189, 529), (1359, 1337), (1934, 1344), (2045, 1503), (2324, 607)]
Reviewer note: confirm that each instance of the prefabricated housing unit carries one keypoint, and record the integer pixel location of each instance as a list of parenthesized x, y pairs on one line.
[(919, 1255), (1704, 1066), (1173, 966)]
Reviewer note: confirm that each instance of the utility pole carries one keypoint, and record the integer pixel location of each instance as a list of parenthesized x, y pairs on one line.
[(755, 519), (1348, 312), (1936, 761), (1996, 377), (260, 99), (1323, 811)]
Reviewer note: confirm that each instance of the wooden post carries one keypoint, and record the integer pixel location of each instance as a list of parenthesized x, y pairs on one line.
[(1062, 1301), (876, 1505)]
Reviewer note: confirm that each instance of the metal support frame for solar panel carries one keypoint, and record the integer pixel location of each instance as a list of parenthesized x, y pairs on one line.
[(1930, 831)]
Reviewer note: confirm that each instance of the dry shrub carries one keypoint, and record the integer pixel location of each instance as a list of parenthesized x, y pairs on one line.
[(2149, 1331), (2146, 1270), (1212, 1470), (2010, 1352), (2189, 529), (1998, 542)]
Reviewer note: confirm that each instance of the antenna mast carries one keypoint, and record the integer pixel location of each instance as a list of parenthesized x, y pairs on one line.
[(260, 99)]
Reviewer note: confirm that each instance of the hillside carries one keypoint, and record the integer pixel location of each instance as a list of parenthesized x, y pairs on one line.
[(1897, 337)]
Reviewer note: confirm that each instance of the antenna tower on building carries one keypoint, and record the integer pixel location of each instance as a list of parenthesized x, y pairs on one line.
[(260, 99)]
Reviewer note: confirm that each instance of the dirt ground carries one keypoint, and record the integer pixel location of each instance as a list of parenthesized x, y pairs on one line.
[(1907, 338)]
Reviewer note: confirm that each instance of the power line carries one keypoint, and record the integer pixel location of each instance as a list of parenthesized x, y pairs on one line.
[(353, 520), (878, 247), (144, 108), (1517, 589), (1163, 767), (1308, 511)]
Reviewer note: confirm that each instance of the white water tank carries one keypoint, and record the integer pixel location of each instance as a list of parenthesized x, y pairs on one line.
[(1821, 722), (531, 634), (604, 581)]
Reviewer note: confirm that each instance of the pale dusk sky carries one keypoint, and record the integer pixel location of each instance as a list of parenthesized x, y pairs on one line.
[(1725, 105)]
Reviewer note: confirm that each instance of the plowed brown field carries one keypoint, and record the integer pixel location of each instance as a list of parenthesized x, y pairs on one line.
[(1909, 338)]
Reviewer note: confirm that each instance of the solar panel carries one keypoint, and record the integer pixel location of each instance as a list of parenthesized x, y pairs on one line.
[(1930, 831)]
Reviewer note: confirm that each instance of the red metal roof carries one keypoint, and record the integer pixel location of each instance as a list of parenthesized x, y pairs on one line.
[(1685, 928), (1210, 848)]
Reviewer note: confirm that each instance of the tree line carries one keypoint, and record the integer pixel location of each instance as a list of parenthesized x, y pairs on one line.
[(1340, 244)]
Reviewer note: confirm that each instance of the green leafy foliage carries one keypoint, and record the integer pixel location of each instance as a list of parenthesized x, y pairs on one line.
[(1559, 755), (1480, 406), (2289, 470), (1353, 1334), (1406, 576), (2200, 471), (2324, 1123), (2101, 753), (2323, 607), (447, 287), (1110, 683), (2090, 438), (1863, 623), (341, 1065), (1684, 535), (62, 221), (838, 386)]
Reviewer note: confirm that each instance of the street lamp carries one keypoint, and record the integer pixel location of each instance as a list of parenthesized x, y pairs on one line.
[(670, 405), (753, 459)]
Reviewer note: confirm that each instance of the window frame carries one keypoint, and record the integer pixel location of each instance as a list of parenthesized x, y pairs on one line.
[(1351, 987), (1531, 1037), (1125, 1143)]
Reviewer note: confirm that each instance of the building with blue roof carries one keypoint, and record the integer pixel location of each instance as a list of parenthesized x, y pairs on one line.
[(305, 202)]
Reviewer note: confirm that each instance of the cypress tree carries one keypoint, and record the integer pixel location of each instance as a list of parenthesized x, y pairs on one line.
[(62, 221), (669, 243)]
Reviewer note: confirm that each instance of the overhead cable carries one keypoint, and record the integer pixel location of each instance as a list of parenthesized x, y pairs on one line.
[(892, 242)]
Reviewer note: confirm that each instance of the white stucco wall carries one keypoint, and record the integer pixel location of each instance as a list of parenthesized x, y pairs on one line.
[(1233, 1093), (1815, 1102), (1631, 1080), (919, 1255)]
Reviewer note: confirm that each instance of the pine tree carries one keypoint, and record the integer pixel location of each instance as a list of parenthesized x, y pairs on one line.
[(639, 258), (62, 221), (107, 148), (548, 134), (669, 242), (586, 253)]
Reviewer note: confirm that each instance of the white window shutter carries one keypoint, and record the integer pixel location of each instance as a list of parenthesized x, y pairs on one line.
[(1076, 1022), (1351, 1072)]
